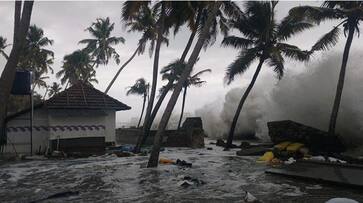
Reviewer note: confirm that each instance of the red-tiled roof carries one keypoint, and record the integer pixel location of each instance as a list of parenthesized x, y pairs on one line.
[(84, 96)]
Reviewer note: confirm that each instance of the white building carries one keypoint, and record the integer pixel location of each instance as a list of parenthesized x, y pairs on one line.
[(79, 119)]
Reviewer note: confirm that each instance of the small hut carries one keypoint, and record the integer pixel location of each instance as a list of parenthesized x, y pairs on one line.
[(78, 119)]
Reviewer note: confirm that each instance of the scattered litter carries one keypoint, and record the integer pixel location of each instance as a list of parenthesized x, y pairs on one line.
[(166, 161), (183, 163), (123, 154), (250, 198), (341, 200), (187, 181), (282, 146), (332, 159), (294, 147), (290, 161), (267, 157), (209, 148), (317, 158)]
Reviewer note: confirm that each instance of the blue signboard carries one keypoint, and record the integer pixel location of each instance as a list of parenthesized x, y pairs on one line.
[(22, 83)]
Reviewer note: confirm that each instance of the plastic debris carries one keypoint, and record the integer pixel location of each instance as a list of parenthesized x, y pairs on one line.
[(282, 146), (250, 198), (189, 181), (294, 147), (267, 157), (183, 163), (290, 161), (166, 161)]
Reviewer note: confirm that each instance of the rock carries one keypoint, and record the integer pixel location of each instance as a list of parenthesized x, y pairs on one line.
[(245, 144), (220, 143), (183, 163), (315, 139), (209, 148)]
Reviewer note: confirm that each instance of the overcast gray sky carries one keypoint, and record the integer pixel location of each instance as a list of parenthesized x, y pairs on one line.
[(64, 22)]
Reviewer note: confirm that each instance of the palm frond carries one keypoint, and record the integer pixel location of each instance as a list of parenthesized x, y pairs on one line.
[(327, 41), (237, 42), (293, 52), (276, 61), (290, 26), (241, 64)]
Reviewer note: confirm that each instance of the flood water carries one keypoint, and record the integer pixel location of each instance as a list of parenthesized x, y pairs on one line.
[(111, 179)]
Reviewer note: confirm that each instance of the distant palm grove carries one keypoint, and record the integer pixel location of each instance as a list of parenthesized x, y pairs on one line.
[(261, 40)]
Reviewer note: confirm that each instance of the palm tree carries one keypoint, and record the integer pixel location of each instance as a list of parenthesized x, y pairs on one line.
[(193, 80), (35, 57), (212, 10), (3, 45), (139, 18), (100, 46), (76, 66), (38, 80), (194, 14), (264, 40), (54, 89), (350, 14), (21, 24), (159, 12), (141, 87)]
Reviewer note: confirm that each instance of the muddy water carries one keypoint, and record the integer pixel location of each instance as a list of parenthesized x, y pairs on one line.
[(112, 179)]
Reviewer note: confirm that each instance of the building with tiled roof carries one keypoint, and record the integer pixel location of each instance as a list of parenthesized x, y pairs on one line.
[(78, 119)]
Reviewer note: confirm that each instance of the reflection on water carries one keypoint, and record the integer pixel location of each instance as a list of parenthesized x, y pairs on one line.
[(112, 179)]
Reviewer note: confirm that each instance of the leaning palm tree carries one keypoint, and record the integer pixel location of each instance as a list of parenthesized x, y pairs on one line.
[(3, 45), (143, 22), (54, 89), (212, 10), (193, 80), (194, 14), (76, 66), (262, 40), (100, 46), (350, 14), (141, 87), (35, 56)]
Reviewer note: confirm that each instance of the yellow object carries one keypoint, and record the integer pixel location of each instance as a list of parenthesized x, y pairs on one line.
[(294, 147), (166, 161), (267, 157), (282, 146)]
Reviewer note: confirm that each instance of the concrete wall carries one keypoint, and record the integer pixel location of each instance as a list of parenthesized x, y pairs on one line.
[(18, 133), (79, 119)]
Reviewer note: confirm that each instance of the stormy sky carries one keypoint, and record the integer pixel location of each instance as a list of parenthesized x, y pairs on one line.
[(65, 23)]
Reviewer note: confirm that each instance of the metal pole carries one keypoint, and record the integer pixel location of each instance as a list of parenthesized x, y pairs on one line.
[(31, 118)]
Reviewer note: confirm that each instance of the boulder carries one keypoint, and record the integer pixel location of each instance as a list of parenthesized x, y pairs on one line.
[(316, 140)]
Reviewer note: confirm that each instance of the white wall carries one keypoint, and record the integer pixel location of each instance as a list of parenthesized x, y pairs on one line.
[(20, 140)]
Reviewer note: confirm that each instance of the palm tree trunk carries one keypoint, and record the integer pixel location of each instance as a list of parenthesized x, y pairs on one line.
[(340, 85), (182, 109), (147, 126), (240, 105), (7, 76), (142, 111), (155, 68), (154, 156), (121, 68)]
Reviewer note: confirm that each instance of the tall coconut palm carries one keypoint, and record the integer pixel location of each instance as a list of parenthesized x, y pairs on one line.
[(35, 56), (77, 66), (213, 8), (38, 80), (3, 45), (141, 88), (145, 23), (159, 11), (193, 80), (54, 89), (100, 46), (194, 14), (349, 14), (262, 40), (21, 24)]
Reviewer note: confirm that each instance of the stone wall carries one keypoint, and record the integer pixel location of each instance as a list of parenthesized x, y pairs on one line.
[(190, 135)]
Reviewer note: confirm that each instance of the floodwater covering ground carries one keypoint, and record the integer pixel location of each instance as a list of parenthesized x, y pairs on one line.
[(112, 179)]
